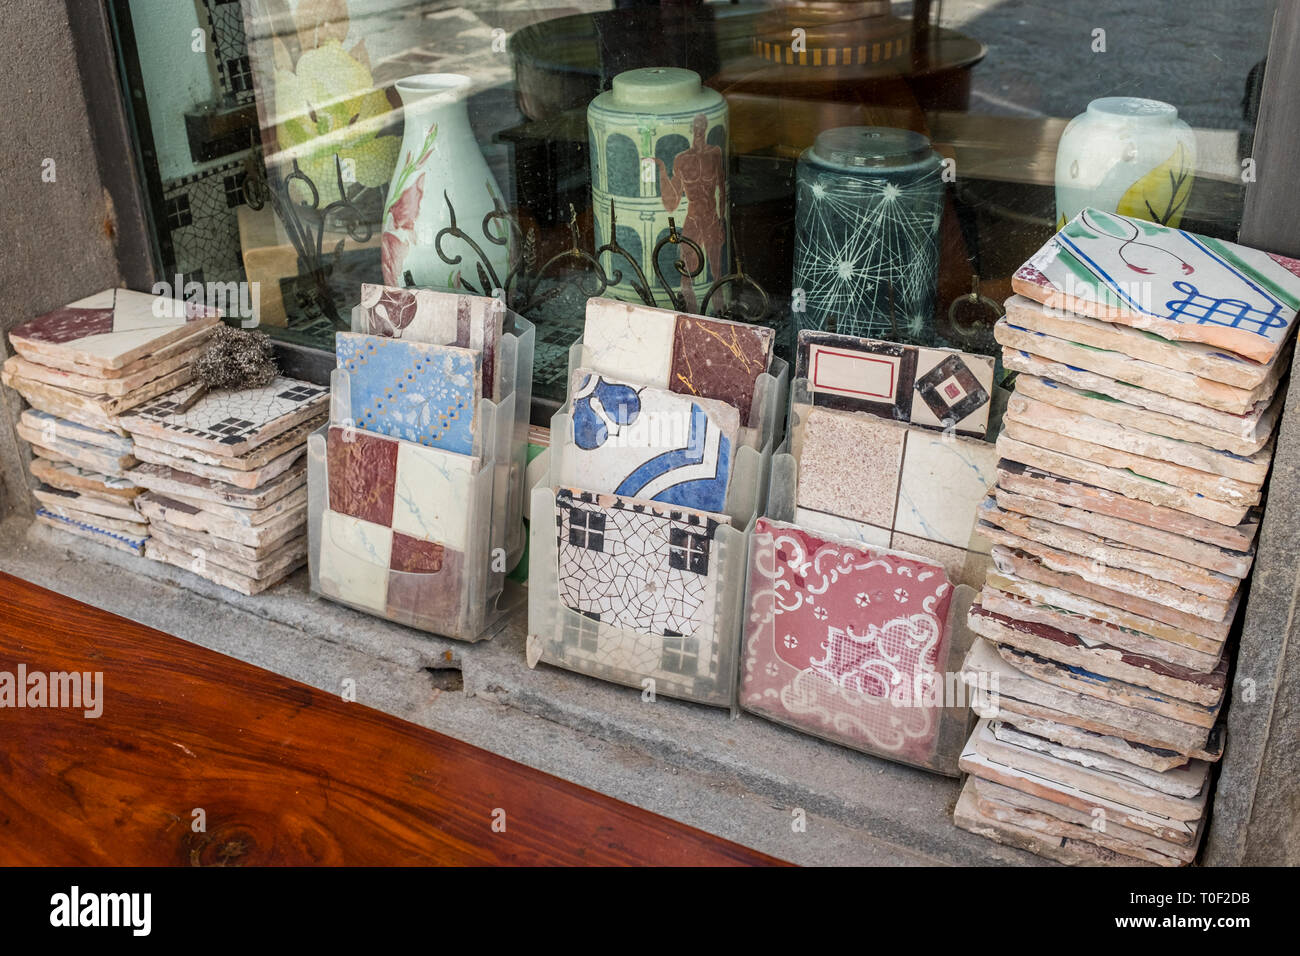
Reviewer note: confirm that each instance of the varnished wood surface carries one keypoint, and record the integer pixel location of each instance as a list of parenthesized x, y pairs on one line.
[(284, 773)]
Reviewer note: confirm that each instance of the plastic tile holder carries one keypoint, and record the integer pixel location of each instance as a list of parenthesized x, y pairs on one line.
[(700, 666), (894, 690), (348, 567)]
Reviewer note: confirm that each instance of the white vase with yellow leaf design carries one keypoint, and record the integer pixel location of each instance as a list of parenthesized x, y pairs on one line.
[(1127, 155)]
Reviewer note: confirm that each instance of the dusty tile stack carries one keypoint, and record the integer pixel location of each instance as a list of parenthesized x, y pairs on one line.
[(226, 480), (82, 367), (1132, 463)]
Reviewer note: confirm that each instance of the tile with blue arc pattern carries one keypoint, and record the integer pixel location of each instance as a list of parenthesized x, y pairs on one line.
[(647, 442), (416, 391)]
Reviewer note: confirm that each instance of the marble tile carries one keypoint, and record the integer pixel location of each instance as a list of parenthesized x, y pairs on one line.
[(846, 529), (210, 571), (180, 514), (431, 495), (944, 479), (646, 442), (232, 476), (122, 541), (230, 422), (295, 437), (70, 477), (418, 392), (846, 643), (52, 425), (1103, 407), (173, 481), (48, 444), (96, 411), (110, 329), (115, 387), (353, 563), (713, 358), (1253, 427), (439, 318), (639, 567), (630, 342), (59, 500), (1183, 386), (1023, 479), (1195, 358), (850, 466), (362, 474), (1176, 284)]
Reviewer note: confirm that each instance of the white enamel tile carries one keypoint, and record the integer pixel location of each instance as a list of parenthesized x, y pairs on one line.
[(354, 557), (944, 479), (844, 528), (432, 494), (630, 341)]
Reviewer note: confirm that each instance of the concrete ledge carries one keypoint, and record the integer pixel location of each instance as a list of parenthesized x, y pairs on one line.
[(741, 778)]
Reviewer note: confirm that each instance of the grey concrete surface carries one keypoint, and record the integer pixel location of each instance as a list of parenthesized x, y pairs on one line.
[(1256, 819), (58, 245), (741, 778)]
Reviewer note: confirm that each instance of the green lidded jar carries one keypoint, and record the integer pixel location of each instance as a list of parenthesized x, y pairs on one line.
[(658, 144)]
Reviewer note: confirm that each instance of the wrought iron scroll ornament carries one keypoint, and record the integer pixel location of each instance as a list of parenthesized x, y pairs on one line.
[(530, 283), (306, 223)]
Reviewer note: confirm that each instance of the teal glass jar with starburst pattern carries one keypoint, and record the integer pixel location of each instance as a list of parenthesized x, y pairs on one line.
[(868, 207)]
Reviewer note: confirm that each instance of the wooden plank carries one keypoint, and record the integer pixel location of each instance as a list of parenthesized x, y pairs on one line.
[(285, 774)]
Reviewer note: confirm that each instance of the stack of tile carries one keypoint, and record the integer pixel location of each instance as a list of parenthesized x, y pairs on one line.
[(889, 441), (81, 367), (849, 632), (667, 425), (226, 480), (407, 516), (1132, 463)]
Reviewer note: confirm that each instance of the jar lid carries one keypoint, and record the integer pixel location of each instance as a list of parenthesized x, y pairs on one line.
[(655, 87), (1134, 107), (871, 147)]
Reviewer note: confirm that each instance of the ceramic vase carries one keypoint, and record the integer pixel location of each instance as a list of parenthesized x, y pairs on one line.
[(1127, 155), (869, 203), (658, 144), (438, 156)]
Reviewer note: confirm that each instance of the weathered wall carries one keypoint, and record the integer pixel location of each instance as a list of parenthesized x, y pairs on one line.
[(58, 235)]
